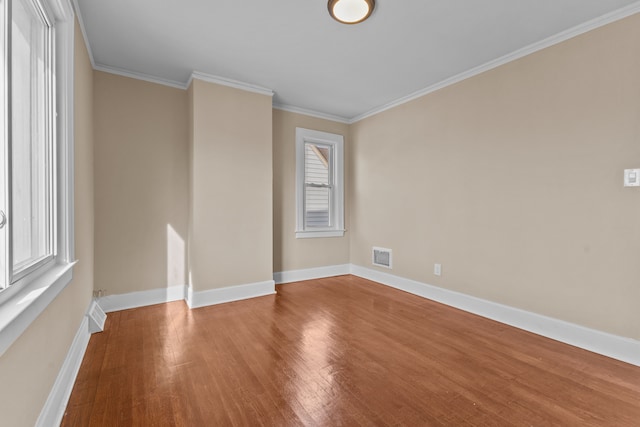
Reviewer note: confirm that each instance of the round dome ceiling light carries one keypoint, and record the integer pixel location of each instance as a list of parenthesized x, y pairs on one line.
[(351, 11)]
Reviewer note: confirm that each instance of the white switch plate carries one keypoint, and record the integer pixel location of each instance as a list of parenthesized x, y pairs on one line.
[(437, 269), (632, 177)]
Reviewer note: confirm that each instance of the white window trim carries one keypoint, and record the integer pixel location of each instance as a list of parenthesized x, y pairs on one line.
[(25, 300), (337, 214)]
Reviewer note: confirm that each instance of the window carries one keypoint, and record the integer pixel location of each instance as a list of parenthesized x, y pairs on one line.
[(319, 184), (36, 153), (29, 169)]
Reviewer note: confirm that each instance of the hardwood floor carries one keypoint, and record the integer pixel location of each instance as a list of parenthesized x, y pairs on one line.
[(340, 351)]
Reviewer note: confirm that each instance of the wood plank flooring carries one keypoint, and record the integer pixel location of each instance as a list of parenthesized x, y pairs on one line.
[(340, 351)]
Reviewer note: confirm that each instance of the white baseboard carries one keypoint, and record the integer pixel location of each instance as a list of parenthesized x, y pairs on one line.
[(229, 294), (616, 347), (311, 273), (119, 302), (53, 409)]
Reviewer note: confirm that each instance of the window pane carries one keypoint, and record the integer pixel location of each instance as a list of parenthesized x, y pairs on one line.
[(317, 185), (30, 138), (316, 165), (317, 207)]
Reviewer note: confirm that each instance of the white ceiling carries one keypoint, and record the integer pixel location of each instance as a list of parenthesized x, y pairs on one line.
[(310, 61)]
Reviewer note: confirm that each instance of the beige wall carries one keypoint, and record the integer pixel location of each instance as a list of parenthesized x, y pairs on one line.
[(231, 187), (513, 181), (30, 366), (290, 253), (141, 183)]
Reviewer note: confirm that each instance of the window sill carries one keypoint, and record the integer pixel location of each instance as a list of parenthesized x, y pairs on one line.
[(316, 234), (23, 305)]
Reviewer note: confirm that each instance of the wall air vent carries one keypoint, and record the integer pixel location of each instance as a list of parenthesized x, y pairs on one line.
[(381, 257), (97, 317)]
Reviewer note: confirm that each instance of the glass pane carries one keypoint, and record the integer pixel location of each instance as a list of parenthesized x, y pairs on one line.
[(316, 205), (30, 140), (316, 164), (317, 177)]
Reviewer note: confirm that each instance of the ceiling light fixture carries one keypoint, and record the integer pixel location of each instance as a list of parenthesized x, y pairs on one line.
[(351, 11)]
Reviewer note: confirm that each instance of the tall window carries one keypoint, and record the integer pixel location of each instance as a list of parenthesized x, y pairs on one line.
[(319, 184), (36, 159), (28, 165)]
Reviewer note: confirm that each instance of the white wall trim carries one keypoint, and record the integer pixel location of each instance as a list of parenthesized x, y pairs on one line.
[(139, 76), (311, 273), (76, 9), (311, 113), (27, 302), (119, 302), (319, 234), (249, 87), (53, 409), (199, 299), (620, 348), (193, 298), (598, 22), (64, 53)]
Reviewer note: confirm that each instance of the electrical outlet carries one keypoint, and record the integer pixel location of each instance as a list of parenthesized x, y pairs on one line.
[(99, 293), (437, 269)]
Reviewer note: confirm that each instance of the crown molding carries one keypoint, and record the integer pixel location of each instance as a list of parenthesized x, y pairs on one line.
[(76, 9), (118, 71), (312, 113), (140, 76), (229, 82), (593, 24)]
